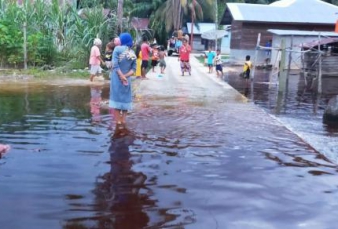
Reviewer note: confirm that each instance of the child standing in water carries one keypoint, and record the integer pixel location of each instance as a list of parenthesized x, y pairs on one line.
[(247, 67), (162, 62)]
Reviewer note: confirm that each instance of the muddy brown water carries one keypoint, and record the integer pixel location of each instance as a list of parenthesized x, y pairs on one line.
[(186, 165)]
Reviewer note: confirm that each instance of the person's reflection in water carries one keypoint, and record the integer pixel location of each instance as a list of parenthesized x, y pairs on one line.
[(122, 185), (95, 101)]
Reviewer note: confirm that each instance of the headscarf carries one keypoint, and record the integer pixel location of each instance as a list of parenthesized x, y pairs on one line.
[(97, 41), (126, 39)]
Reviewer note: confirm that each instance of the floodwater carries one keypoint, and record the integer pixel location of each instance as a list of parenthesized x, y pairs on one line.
[(188, 164), (300, 108)]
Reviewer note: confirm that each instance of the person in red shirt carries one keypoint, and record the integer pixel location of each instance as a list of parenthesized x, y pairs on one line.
[(184, 57), (145, 51)]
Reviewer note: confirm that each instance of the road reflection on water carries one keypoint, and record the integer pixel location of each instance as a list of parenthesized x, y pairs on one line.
[(185, 164)]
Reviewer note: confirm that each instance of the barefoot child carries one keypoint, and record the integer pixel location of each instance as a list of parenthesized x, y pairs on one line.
[(162, 62), (154, 58), (210, 57), (218, 63)]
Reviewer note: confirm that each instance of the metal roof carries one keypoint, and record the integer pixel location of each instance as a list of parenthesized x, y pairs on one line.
[(213, 34), (282, 32), (203, 27), (315, 43), (286, 11)]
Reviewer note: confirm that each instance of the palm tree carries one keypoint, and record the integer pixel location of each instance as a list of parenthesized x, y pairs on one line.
[(173, 11)]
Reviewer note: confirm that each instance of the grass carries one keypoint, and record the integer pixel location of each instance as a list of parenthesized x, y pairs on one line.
[(38, 73)]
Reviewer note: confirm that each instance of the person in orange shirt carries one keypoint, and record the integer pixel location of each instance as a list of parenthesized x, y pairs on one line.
[(184, 57)]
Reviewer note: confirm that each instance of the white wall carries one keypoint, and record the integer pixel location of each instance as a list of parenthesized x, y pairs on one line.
[(225, 44)]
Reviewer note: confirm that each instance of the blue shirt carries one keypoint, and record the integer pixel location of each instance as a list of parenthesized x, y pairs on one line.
[(210, 56)]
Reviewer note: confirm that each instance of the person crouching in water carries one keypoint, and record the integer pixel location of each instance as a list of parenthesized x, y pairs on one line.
[(95, 59), (247, 67), (184, 57)]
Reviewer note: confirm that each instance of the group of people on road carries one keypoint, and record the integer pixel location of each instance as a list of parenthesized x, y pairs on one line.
[(120, 57), (123, 62), (214, 59)]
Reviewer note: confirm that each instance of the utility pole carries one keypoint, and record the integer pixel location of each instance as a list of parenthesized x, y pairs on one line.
[(216, 24), (192, 24)]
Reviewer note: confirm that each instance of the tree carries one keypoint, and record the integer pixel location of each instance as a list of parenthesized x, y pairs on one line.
[(119, 15)]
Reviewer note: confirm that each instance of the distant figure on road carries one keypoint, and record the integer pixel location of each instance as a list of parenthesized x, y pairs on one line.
[(247, 67), (145, 50), (268, 44), (180, 34), (138, 53), (184, 57), (172, 42), (218, 63), (186, 36)]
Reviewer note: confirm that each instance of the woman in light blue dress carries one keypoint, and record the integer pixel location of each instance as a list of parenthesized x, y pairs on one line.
[(124, 66)]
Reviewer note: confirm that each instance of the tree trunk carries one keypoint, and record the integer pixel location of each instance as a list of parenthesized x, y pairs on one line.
[(177, 14), (119, 16)]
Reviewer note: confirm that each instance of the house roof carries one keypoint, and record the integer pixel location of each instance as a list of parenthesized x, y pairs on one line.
[(140, 23), (282, 32), (315, 43), (325, 37), (286, 11), (202, 27)]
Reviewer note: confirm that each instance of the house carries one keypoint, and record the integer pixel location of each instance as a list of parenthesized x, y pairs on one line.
[(297, 41), (200, 44), (248, 20)]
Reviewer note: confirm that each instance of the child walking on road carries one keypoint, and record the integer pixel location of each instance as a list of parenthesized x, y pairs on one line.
[(184, 57), (210, 58), (218, 63), (162, 62), (247, 67), (154, 58)]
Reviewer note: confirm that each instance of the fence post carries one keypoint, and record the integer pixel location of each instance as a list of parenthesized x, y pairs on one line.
[(256, 53), (282, 72), (319, 67)]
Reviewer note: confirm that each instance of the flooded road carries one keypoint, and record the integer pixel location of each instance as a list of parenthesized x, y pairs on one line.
[(300, 109), (197, 159)]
